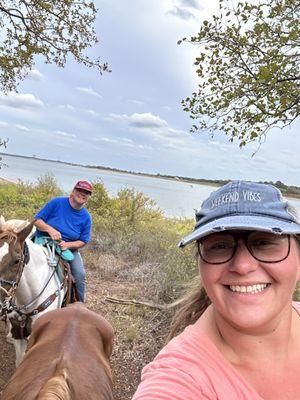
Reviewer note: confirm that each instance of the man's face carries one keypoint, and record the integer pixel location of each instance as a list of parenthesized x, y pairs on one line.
[(80, 196)]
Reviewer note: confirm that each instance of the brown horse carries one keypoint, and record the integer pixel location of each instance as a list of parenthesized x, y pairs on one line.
[(67, 358)]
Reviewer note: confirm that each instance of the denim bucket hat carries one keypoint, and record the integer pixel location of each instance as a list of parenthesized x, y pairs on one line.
[(247, 206)]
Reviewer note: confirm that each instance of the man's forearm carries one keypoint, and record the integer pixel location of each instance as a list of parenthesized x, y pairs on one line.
[(77, 244), (42, 226)]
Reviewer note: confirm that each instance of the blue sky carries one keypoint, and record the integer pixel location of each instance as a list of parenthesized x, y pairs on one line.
[(132, 118)]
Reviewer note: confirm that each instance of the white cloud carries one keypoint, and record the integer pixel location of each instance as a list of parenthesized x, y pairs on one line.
[(190, 4), (136, 102), (140, 120), (258, 160), (22, 128), (124, 142), (89, 91), (68, 107), (178, 133), (106, 139), (92, 112), (35, 75), (154, 128), (65, 134), (287, 152), (182, 13), (20, 100), (187, 9), (171, 138), (3, 124), (146, 120)]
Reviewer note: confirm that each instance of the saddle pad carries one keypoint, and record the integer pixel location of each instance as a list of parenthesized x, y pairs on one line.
[(66, 255)]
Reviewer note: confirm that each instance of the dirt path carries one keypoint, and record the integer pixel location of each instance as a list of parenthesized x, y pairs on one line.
[(7, 355), (139, 331)]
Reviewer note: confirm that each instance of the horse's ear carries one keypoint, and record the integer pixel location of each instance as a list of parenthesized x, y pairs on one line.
[(2, 222), (22, 235)]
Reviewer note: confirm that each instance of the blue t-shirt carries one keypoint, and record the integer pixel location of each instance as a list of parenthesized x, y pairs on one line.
[(71, 223)]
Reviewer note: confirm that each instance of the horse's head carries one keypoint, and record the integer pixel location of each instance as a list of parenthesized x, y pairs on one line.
[(11, 255)]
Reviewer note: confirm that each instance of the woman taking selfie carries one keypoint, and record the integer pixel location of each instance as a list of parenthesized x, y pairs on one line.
[(242, 330)]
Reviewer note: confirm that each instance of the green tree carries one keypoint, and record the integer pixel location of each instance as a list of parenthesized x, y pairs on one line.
[(4, 144), (248, 69), (52, 29)]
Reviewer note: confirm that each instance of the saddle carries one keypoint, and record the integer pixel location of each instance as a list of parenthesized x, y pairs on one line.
[(59, 259)]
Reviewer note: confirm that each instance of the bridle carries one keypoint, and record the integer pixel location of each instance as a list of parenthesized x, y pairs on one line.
[(14, 283), (20, 316), (8, 303)]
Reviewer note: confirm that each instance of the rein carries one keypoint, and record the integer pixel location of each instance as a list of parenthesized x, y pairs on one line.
[(35, 311)]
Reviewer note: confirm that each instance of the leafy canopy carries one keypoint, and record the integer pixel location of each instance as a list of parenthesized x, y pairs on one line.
[(249, 69), (52, 29)]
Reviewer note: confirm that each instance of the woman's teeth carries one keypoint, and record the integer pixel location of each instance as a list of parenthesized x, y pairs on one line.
[(259, 287)]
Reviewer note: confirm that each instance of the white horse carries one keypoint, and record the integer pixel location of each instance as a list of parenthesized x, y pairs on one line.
[(29, 286)]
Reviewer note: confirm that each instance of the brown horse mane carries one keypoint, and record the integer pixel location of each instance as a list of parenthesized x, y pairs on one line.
[(9, 235), (56, 387)]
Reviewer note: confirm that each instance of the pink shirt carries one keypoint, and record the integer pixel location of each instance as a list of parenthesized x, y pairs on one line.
[(190, 367)]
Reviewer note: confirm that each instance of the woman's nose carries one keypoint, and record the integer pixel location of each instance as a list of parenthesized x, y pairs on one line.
[(242, 262)]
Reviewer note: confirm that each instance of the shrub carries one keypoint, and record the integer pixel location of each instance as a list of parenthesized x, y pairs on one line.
[(23, 200)]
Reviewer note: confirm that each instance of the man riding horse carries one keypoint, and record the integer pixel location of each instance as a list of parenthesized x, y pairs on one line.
[(66, 220)]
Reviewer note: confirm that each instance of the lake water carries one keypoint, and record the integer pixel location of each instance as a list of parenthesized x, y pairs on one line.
[(174, 198)]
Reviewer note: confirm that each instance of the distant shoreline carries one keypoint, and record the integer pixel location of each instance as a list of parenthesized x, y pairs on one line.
[(123, 171), (292, 192), (5, 180)]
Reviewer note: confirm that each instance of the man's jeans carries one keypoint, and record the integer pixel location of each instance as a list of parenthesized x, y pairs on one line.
[(78, 271)]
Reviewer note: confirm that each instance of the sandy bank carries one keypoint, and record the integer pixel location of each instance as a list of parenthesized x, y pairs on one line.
[(4, 180)]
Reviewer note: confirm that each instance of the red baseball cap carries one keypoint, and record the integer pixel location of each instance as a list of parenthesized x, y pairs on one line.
[(84, 185)]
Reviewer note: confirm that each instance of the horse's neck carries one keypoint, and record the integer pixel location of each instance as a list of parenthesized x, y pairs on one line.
[(35, 276)]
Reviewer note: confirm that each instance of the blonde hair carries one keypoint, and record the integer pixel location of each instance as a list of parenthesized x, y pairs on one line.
[(192, 305), (56, 388)]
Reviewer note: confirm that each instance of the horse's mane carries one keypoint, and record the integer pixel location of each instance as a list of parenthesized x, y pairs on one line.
[(13, 225), (56, 387)]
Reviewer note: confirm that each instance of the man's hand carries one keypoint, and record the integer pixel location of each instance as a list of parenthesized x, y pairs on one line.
[(63, 245), (54, 234)]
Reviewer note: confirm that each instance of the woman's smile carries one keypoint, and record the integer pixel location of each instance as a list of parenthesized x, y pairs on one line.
[(248, 289)]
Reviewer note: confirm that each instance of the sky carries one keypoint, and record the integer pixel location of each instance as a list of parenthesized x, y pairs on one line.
[(132, 118)]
